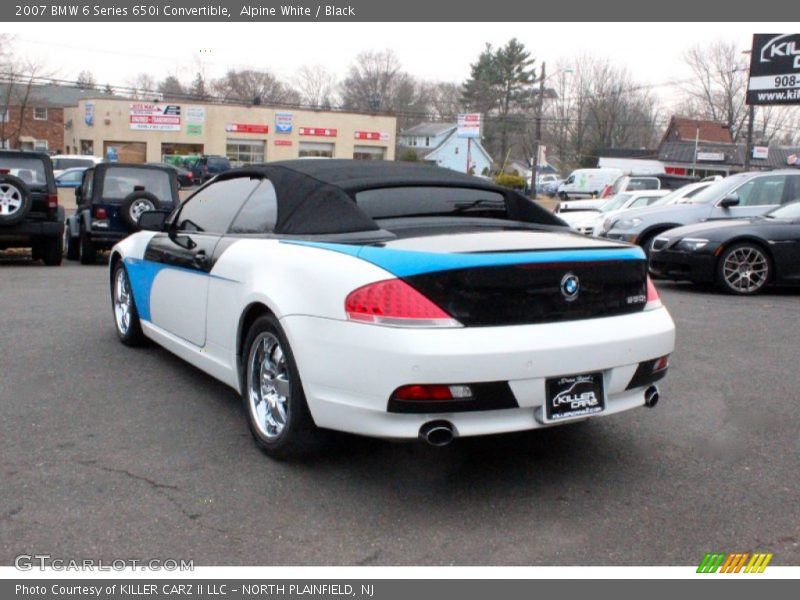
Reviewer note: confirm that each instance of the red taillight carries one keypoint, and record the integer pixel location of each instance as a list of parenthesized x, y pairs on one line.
[(653, 299), (661, 364), (433, 392), (394, 302), (100, 213), (52, 200)]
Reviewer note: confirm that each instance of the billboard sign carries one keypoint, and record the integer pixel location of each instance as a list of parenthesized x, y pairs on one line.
[(283, 122), (774, 69), (196, 115), (761, 152), (318, 131), (155, 117), (469, 125)]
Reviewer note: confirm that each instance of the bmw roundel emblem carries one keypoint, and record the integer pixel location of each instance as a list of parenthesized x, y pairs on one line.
[(570, 286)]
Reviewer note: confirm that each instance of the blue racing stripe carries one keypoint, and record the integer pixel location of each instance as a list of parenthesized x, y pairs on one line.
[(142, 274), (406, 263)]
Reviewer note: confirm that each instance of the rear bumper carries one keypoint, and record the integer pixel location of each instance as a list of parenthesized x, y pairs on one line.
[(28, 230), (349, 370)]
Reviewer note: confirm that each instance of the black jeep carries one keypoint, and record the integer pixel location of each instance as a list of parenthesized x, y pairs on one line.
[(110, 199), (30, 216)]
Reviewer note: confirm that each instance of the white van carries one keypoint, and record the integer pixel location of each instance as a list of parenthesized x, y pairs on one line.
[(585, 183)]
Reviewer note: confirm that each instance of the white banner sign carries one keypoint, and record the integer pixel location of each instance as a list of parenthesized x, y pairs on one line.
[(155, 117)]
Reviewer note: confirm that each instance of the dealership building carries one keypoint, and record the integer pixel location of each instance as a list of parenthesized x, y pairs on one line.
[(130, 130)]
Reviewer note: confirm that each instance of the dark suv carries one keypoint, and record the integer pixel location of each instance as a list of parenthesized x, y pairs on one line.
[(110, 199), (205, 167), (30, 216)]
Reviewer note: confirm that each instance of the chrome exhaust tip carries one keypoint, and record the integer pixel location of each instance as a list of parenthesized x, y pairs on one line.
[(437, 433), (651, 396)]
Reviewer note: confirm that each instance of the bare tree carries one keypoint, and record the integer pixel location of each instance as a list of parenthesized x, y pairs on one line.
[(252, 86), (171, 88), (86, 80), (143, 86), (20, 78), (316, 86), (719, 84), (444, 100)]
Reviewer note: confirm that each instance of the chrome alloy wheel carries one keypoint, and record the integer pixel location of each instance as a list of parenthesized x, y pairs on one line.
[(268, 385), (10, 199), (138, 207), (746, 269), (123, 303)]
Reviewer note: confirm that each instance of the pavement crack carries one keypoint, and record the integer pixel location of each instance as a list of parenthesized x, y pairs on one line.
[(151, 482)]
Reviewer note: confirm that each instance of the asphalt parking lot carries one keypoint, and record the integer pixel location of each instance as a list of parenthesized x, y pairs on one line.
[(111, 452)]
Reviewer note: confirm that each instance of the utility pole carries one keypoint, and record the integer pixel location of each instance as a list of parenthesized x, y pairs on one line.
[(538, 140), (748, 151)]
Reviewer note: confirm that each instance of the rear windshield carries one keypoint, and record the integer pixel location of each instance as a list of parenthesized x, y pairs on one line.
[(420, 201), (62, 164), (121, 181), (30, 170)]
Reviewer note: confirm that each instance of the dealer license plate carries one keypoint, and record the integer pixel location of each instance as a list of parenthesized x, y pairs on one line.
[(574, 396)]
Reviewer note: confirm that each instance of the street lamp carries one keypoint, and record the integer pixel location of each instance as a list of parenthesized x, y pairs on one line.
[(538, 139)]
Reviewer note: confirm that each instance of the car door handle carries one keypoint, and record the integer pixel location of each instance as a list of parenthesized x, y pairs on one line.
[(201, 259)]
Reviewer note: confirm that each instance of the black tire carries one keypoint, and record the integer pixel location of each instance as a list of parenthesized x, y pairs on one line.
[(299, 435), (87, 252), (647, 241), (751, 281), (52, 251), (15, 200), (73, 250), (133, 203), (132, 336)]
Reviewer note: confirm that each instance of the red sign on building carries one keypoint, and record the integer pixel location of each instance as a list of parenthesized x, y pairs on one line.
[(246, 128), (283, 142), (317, 131), (372, 135)]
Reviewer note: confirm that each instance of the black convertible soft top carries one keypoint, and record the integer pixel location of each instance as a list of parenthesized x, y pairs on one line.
[(317, 196)]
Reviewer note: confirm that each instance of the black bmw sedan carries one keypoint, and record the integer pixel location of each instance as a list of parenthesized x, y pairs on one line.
[(742, 256)]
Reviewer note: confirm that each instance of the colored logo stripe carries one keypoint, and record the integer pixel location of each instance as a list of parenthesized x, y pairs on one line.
[(405, 263), (734, 562)]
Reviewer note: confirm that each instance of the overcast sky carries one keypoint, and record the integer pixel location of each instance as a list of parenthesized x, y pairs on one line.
[(434, 51)]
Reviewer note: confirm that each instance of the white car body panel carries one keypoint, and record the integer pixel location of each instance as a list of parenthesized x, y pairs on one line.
[(350, 369)]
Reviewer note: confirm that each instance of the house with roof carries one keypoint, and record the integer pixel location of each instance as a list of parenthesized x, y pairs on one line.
[(32, 116), (692, 148), (439, 144)]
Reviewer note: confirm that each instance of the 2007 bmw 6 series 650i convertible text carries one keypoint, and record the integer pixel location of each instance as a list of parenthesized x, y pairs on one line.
[(391, 300)]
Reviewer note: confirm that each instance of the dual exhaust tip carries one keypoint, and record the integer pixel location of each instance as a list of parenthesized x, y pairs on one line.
[(442, 433)]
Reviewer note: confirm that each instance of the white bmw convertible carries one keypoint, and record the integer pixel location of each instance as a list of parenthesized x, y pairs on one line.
[(391, 300)]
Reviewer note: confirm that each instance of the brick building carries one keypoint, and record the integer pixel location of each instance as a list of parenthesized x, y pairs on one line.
[(32, 117)]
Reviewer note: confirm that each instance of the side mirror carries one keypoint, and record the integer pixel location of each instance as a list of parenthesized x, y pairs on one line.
[(153, 220), (730, 200), (78, 194)]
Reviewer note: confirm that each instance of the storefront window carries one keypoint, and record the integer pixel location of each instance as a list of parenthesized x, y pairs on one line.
[(245, 152), (369, 153), (316, 149)]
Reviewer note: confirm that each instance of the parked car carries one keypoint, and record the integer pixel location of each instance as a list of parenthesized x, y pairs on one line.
[(71, 178), (206, 167), (185, 176), (30, 216), (622, 184), (393, 300), (590, 222), (738, 196), (110, 200), (62, 162), (551, 189), (586, 183), (741, 256)]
